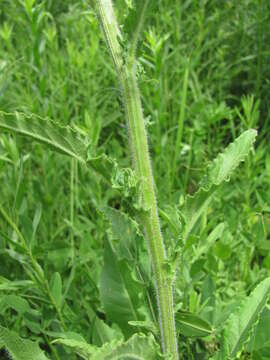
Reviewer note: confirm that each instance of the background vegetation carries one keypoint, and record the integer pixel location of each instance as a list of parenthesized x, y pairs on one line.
[(204, 78)]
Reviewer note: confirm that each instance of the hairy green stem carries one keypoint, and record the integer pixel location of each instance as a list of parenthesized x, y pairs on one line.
[(139, 148)]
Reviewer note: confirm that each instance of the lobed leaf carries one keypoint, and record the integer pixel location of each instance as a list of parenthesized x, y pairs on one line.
[(58, 138), (241, 322), (18, 348)]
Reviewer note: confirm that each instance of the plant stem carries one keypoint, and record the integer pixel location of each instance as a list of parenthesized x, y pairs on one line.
[(143, 169)]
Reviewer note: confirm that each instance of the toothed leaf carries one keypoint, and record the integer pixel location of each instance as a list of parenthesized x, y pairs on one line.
[(58, 138), (225, 163), (218, 171)]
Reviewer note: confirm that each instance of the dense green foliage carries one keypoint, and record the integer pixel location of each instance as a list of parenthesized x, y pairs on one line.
[(75, 273)]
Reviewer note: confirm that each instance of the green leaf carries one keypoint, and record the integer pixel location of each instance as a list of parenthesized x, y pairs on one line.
[(192, 325), (36, 221), (103, 165), (18, 348), (58, 138), (123, 229), (14, 302), (118, 291), (242, 321), (261, 338), (138, 347), (7, 285), (102, 333), (56, 288), (224, 165), (213, 236), (218, 171), (194, 208)]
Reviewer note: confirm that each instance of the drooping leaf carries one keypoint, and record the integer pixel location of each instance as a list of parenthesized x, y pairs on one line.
[(218, 171), (138, 347), (192, 325), (119, 293), (241, 322), (59, 138), (18, 348)]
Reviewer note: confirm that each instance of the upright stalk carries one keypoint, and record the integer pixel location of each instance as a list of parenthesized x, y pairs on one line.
[(139, 149)]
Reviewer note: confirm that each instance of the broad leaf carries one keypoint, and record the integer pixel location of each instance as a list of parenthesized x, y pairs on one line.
[(138, 347), (18, 348), (192, 325), (260, 338), (58, 138), (102, 333), (241, 322), (218, 171), (123, 229), (118, 291)]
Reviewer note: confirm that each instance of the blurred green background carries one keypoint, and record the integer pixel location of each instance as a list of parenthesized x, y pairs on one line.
[(204, 76)]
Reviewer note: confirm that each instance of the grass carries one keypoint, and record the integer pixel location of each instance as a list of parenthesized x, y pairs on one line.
[(54, 63)]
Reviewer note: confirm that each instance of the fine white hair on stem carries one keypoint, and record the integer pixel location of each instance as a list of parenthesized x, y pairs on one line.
[(143, 169)]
